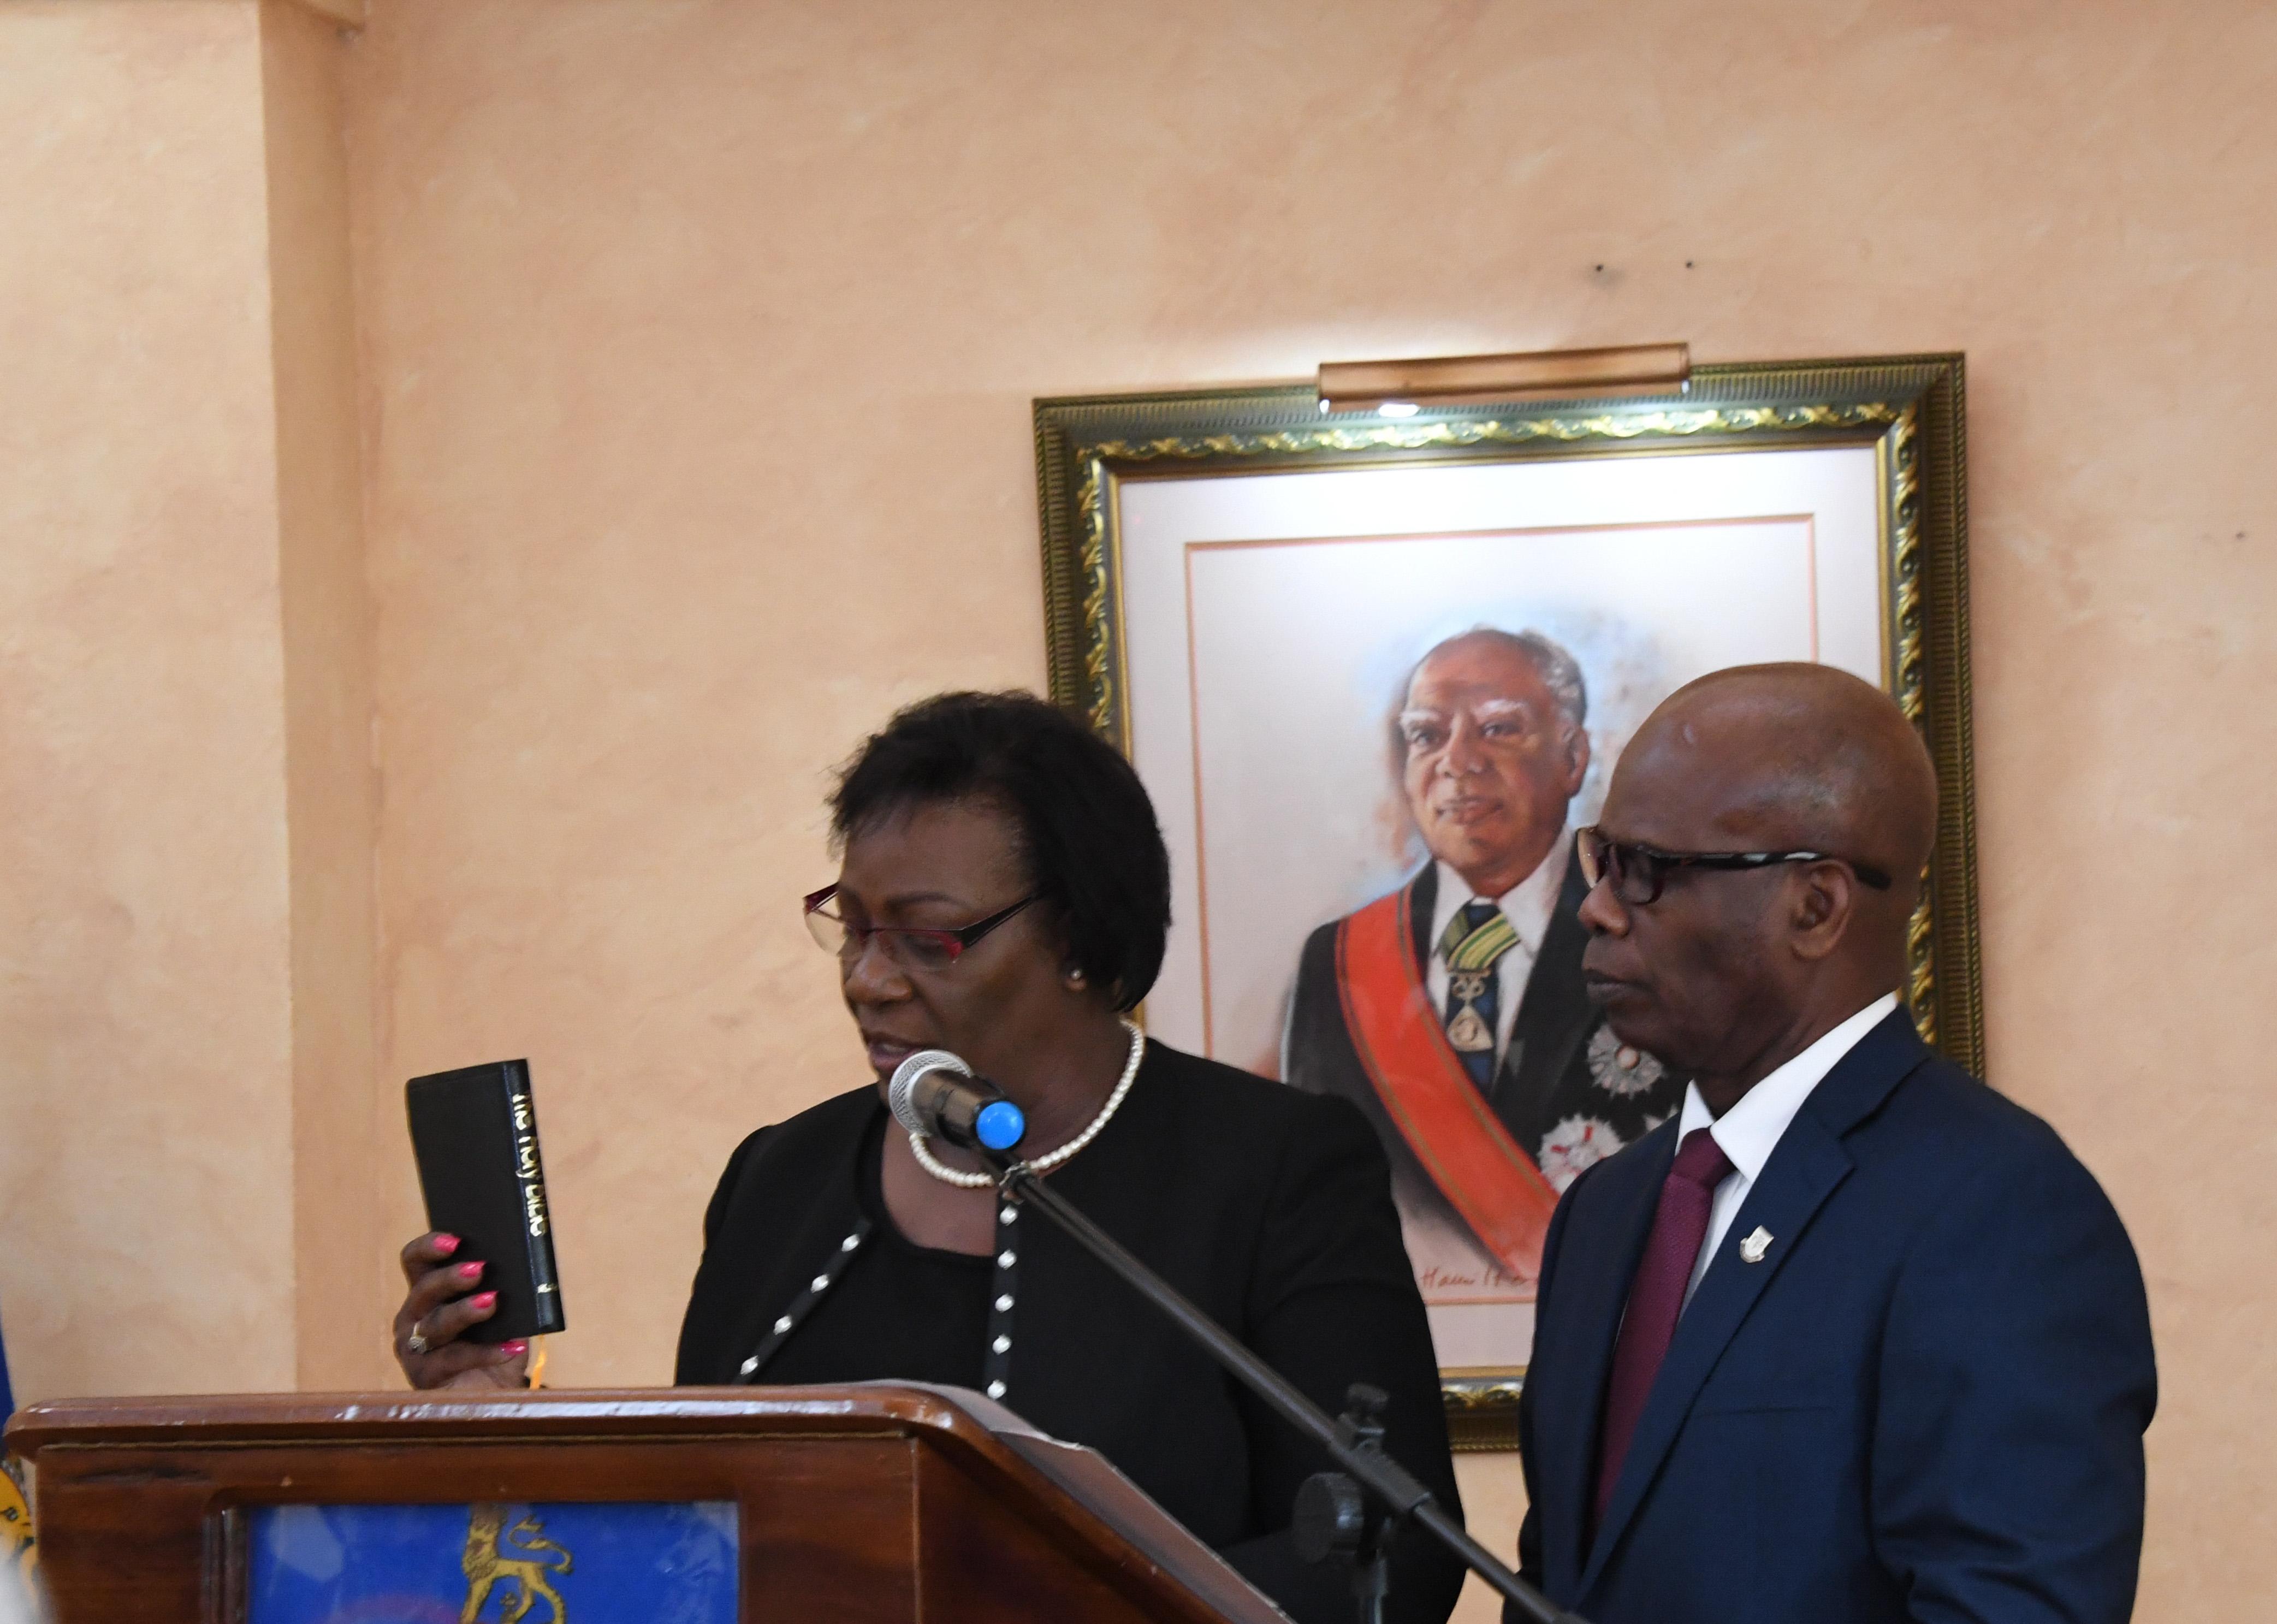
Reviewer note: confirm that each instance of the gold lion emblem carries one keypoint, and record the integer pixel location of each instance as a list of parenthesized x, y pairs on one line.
[(519, 1556), (18, 1544)]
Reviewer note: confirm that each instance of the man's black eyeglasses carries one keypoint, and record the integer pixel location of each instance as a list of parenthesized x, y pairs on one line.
[(1638, 874), (907, 946)]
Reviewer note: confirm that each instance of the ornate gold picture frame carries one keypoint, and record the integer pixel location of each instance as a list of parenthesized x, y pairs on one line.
[(1207, 590)]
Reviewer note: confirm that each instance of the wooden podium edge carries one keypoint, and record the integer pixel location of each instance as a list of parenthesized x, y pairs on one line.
[(1073, 1495), (197, 1420)]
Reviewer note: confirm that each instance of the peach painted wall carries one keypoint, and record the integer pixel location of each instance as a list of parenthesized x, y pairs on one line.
[(145, 1100), (187, 1074), (695, 343), (700, 342), (330, 784)]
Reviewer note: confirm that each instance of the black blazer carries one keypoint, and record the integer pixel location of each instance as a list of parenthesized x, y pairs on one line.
[(1561, 1061), (1268, 1208), (1925, 1401)]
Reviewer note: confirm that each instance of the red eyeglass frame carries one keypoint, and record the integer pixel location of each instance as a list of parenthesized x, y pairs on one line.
[(950, 944)]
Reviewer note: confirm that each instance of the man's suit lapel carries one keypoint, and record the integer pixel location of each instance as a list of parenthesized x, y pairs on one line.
[(1593, 1290), (1809, 1163), (1554, 1014)]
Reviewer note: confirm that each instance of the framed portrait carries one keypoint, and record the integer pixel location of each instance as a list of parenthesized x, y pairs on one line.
[(1375, 671)]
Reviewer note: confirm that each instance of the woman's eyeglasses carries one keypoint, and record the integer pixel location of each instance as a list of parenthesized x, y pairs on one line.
[(909, 947), (1638, 874)]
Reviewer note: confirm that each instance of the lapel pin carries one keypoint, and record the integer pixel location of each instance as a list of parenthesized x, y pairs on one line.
[(1752, 1249)]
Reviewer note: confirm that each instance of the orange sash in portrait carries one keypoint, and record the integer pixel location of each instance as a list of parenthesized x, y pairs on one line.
[(1416, 1073)]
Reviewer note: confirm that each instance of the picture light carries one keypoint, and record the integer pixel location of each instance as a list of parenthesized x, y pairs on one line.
[(1402, 388)]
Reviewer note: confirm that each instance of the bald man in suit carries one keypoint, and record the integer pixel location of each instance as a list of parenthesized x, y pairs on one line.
[(1853, 1337)]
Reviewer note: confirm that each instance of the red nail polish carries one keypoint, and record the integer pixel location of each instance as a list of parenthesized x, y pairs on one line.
[(514, 1349), (470, 1271), (447, 1244), (485, 1300)]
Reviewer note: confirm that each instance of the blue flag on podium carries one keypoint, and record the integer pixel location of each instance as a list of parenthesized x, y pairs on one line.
[(7, 1398)]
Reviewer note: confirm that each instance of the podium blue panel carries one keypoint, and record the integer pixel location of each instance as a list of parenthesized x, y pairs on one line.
[(613, 1563)]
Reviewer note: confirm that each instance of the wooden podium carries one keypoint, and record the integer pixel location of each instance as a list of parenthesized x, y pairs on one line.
[(870, 1502)]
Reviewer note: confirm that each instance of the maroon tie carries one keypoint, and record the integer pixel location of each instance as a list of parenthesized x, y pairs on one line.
[(1656, 1297)]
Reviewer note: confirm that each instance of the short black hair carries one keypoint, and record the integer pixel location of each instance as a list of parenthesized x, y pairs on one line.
[(1087, 830)]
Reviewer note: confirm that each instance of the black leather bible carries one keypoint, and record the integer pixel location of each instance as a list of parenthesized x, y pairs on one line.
[(474, 1133)]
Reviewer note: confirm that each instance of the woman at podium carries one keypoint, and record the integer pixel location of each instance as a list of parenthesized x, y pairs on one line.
[(1003, 892)]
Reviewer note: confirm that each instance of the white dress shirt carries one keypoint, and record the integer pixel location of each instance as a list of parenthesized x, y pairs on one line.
[(1527, 905), (1750, 1131)]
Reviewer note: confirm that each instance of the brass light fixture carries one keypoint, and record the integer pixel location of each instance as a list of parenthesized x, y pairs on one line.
[(1402, 388)]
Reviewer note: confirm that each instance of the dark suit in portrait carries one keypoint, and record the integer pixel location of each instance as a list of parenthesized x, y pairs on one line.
[(1564, 1093), (1912, 1384)]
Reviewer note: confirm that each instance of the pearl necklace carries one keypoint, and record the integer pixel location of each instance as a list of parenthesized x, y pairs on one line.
[(1045, 1163)]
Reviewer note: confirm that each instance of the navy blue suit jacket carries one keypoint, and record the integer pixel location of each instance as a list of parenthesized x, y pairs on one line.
[(1926, 1401)]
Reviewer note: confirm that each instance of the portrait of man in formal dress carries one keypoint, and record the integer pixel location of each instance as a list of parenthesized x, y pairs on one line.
[(1352, 739), (1451, 1010)]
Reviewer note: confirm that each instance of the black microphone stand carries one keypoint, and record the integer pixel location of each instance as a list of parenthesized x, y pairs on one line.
[(1351, 1510)]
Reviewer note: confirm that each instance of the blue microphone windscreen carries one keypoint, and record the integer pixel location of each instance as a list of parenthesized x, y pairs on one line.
[(999, 1124)]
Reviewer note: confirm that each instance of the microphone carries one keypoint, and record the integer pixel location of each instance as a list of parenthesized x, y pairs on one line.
[(935, 1092)]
